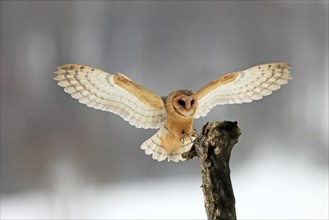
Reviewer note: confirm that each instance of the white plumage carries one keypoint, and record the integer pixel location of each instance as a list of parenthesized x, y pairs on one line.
[(96, 89), (251, 84)]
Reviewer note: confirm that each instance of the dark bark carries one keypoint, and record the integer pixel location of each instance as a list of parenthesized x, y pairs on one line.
[(213, 148)]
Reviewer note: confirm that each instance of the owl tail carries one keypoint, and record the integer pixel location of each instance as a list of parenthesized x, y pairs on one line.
[(164, 145)]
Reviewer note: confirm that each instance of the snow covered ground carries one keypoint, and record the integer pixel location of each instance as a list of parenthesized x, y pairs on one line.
[(268, 189)]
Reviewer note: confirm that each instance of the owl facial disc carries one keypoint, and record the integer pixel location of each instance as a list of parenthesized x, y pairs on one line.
[(185, 103)]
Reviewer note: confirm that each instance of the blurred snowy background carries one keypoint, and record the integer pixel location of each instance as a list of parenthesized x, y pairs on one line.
[(62, 160)]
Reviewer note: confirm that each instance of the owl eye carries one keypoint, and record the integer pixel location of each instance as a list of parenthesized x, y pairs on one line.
[(181, 103), (192, 102)]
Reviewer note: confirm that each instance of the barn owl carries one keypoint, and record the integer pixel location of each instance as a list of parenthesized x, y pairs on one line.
[(172, 115)]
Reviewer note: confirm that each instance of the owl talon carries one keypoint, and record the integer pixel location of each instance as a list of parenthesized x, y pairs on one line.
[(194, 133), (192, 136), (182, 138)]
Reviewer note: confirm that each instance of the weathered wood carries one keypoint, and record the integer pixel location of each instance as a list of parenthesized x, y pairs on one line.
[(213, 148)]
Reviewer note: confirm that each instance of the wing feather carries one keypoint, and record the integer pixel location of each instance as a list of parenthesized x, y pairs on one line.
[(242, 87), (113, 93)]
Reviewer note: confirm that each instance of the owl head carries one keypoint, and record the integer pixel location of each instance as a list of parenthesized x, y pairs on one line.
[(182, 102)]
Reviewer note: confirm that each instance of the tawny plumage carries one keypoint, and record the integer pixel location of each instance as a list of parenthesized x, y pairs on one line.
[(173, 114)]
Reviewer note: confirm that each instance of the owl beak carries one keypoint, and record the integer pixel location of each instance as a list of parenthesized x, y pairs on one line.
[(188, 105)]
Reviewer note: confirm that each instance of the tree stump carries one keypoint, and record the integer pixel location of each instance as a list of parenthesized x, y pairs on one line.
[(213, 148)]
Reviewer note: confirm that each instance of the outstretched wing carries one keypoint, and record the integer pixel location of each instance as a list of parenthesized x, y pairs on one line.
[(243, 86), (114, 93)]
